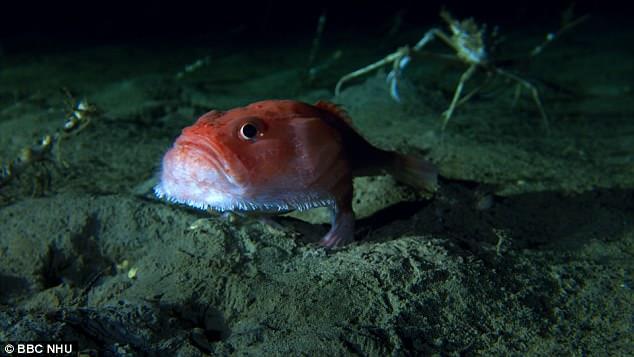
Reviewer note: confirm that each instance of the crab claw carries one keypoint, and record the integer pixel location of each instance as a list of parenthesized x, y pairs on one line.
[(394, 74), (392, 81)]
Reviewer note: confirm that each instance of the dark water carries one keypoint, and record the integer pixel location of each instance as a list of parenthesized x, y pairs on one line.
[(526, 248)]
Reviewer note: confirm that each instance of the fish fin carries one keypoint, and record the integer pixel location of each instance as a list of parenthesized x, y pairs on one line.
[(342, 229), (413, 171), (335, 110)]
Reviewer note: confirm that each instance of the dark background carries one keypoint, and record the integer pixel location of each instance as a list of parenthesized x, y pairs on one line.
[(57, 24)]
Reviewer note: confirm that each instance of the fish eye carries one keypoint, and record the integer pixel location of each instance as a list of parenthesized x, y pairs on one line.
[(248, 131)]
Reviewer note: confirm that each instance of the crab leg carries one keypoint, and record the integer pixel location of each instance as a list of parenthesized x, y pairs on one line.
[(392, 57), (429, 35), (532, 89), (472, 93), (456, 96)]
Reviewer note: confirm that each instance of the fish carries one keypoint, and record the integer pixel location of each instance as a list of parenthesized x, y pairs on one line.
[(276, 156)]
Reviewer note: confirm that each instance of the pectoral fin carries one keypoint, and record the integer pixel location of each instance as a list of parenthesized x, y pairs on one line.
[(342, 229)]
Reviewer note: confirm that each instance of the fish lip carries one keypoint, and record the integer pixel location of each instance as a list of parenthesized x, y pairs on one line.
[(210, 151), (204, 148)]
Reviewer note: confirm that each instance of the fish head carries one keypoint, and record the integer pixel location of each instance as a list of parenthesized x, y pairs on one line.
[(245, 157)]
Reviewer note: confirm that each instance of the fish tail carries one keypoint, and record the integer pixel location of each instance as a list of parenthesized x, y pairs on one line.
[(413, 171)]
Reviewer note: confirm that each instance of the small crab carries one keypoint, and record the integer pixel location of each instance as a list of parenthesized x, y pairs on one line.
[(467, 41)]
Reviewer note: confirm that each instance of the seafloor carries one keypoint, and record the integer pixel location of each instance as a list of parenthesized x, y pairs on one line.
[(526, 248)]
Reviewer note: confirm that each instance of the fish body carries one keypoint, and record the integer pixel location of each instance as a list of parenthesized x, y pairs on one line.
[(278, 156)]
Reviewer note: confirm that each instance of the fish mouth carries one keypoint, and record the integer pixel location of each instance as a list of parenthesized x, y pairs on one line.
[(203, 149), (209, 157), (195, 172)]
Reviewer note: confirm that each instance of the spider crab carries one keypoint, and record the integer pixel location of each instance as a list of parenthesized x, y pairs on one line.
[(466, 39)]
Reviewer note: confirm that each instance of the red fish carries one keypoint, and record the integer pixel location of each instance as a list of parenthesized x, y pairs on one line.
[(278, 156)]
